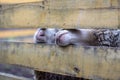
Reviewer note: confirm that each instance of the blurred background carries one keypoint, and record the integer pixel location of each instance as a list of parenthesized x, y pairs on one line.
[(16, 35)]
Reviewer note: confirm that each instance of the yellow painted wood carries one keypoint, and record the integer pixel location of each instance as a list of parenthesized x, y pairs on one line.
[(36, 16), (69, 4), (77, 4), (16, 33), (17, 1), (60, 13), (86, 62), (115, 3)]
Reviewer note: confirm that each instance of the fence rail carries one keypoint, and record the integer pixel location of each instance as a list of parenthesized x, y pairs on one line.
[(86, 62), (61, 14)]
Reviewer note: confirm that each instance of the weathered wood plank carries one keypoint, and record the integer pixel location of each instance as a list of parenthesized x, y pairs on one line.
[(60, 4), (69, 4), (17, 1), (76, 4), (115, 3), (38, 16), (86, 62)]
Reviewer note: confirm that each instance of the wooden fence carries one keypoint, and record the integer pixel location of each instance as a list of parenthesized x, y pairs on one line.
[(86, 62), (60, 14)]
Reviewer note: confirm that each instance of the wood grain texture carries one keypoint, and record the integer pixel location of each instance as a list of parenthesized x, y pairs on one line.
[(61, 14), (86, 62), (36, 16), (77, 4), (115, 3)]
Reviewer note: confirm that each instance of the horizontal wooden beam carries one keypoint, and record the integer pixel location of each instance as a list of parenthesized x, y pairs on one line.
[(86, 62), (82, 4), (8, 33), (61, 14), (18, 1), (69, 4)]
